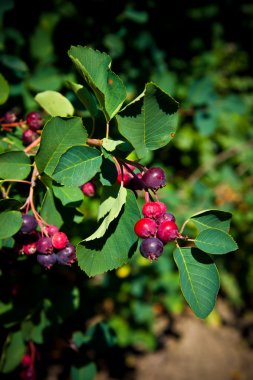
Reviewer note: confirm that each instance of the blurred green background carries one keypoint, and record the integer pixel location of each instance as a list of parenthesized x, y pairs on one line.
[(200, 53)]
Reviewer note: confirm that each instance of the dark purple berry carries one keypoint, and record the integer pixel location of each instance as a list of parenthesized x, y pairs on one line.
[(29, 136), (145, 228), (47, 261), (45, 246), (28, 373), (166, 216), (29, 223), (10, 117), (136, 182), (34, 120), (154, 178), (151, 248), (67, 256), (167, 231)]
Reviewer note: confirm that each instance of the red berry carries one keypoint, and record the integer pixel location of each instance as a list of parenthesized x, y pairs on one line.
[(145, 228), (59, 240), (51, 230), (163, 206), (10, 117), (167, 231), (30, 249), (126, 178), (34, 120), (29, 136), (88, 189), (151, 210), (26, 360)]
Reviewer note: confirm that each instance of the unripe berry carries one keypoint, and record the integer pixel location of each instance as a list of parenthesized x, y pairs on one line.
[(165, 216), (45, 246), (29, 223), (88, 189), (154, 178), (51, 229), (47, 261), (145, 228), (59, 240), (151, 248), (151, 210), (167, 231), (34, 120)]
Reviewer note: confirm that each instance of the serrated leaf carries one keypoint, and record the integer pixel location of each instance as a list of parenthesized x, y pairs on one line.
[(14, 349), (117, 245), (58, 135), (212, 219), (4, 90), (215, 241), (94, 66), (68, 195), (49, 211), (150, 121), (54, 103), (199, 279), (14, 165), (78, 165), (10, 222), (115, 205)]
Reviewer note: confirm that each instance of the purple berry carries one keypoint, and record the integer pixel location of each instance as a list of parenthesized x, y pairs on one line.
[(28, 373), (47, 261), (154, 178), (29, 223), (29, 136), (45, 246), (67, 256), (51, 229), (166, 216), (34, 120), (151, 248), (10, 117), (136, 182)]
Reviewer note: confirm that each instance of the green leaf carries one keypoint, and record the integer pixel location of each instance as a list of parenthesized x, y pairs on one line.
[(78, 165), (4, 89), (87, 372), (111, 145), (150, 121), (13, 352), (54, 103), (199, 279), (9, 204), (215, 241), (14, 165), (212, 219), (117, 245), (49, 211), (10, 222), (86, 97), (112, 206), (58, 135), (68, 195), (94, 66)]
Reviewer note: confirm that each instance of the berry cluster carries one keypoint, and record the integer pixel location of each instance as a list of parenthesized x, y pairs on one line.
[(52, 246), (156, 228), (34, 122)]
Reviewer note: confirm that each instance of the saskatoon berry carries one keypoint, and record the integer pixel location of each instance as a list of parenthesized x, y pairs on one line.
[(167, 231), (29, 249), (59, 240), (29, 136), (26, 360), (151, 210), (10, 117), (47, 261), (29, 223), (163, 206), (166, 216), (34, 120), (151, 248), (126, 178), (45, 246), (154, 178), (88, 189), (51, 229), (67, 256), (136, 182), (145, 228)]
